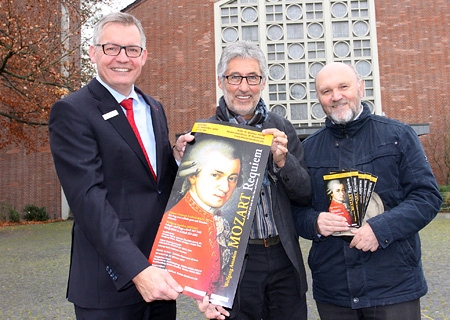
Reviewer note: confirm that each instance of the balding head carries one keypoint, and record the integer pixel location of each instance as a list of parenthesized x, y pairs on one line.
[(340, 90)]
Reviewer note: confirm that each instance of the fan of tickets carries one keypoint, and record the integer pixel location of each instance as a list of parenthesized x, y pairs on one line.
[(349, 193)]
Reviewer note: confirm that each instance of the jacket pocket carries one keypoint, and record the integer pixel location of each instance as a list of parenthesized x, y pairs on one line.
[(409, 255)]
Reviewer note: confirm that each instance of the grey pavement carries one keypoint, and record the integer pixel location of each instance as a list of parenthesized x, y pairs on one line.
[(34, 265)]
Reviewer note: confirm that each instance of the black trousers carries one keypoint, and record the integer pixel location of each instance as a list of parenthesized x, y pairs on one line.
[(399, 311), (156, 310), (268, 289)]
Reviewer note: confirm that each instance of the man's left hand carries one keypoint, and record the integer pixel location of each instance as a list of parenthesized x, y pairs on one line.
[(364, 239), (180, 145), (210, 310)]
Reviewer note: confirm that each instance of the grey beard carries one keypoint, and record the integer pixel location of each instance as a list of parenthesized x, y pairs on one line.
[(349, 117)]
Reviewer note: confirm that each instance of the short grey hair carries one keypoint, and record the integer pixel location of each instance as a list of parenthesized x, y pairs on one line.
[(122, 18), (245, 50)]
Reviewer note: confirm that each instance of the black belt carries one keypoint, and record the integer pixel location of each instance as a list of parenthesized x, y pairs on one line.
[(271, 241)]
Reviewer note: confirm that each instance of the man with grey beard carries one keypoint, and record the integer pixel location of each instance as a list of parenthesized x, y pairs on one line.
[(376, 273)]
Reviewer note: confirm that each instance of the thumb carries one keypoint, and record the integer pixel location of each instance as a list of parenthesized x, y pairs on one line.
[(173, 284)]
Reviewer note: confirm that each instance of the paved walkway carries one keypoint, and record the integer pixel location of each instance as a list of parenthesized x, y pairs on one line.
[(34, 266)]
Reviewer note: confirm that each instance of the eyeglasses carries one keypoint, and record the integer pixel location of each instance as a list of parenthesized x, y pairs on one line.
[(236, 80), (114, 50)]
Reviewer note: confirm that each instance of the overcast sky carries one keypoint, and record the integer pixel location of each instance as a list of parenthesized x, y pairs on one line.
[(118, 5)]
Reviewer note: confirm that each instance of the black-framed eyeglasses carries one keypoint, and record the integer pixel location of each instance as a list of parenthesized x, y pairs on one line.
[(236, 80), (114, 50)]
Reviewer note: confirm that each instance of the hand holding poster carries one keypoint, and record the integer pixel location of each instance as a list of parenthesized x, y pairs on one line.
[(203, 235)]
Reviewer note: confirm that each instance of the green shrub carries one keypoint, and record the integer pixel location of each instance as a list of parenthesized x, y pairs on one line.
[(14, 215), (5, 211), (35, 213), (445, 192)]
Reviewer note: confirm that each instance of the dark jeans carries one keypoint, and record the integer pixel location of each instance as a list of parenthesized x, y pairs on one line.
[(156, 310), (399, 311), (269, 289)]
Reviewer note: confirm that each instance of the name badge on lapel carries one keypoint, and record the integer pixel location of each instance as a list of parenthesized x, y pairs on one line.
[(110, 115)]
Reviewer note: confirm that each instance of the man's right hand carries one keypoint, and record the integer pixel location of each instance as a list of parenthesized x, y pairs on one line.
[(328, 223), (156, 284)]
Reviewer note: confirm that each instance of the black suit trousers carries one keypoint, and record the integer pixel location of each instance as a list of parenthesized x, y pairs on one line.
[(157, 310)]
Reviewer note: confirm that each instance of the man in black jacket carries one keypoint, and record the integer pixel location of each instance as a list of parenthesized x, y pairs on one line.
[(377, 273), (273, 281)]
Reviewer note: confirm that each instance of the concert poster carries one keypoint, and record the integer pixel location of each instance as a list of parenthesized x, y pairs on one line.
[(204, 232)]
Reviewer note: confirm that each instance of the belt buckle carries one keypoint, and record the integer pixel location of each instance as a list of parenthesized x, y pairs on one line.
[(268, 242)]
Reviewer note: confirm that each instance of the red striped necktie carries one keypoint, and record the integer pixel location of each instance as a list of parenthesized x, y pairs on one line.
[(127, 104)]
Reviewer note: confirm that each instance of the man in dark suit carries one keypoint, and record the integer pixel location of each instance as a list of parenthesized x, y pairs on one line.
[(117, 181)]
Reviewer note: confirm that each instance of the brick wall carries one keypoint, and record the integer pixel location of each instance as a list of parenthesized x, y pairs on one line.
[(29, 179), (413, 45), (414, 56), (180, 69)]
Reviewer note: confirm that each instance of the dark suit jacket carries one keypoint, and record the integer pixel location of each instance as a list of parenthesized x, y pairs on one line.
[(116, 204)]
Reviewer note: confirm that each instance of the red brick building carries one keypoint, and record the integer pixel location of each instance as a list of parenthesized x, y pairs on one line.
[(404, 46), (409, 56)]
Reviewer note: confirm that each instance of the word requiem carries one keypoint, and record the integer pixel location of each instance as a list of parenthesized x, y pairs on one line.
[(254, 174)]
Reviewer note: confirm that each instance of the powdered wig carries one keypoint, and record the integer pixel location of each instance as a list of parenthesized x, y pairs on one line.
[(194, 159)]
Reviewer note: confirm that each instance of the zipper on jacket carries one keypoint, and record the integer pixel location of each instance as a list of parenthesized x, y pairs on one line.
[(344, 131)]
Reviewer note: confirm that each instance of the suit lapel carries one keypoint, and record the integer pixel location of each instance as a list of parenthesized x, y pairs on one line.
[(156, 115), (113, 113)]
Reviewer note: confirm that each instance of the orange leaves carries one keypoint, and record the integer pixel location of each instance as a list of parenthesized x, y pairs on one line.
[(39, 64)]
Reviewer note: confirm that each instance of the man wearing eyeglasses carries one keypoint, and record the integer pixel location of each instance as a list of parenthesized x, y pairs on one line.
[(273, 280), (117, 173)]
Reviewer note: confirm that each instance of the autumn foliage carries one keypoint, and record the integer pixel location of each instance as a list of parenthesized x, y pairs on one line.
[(40, 50)]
